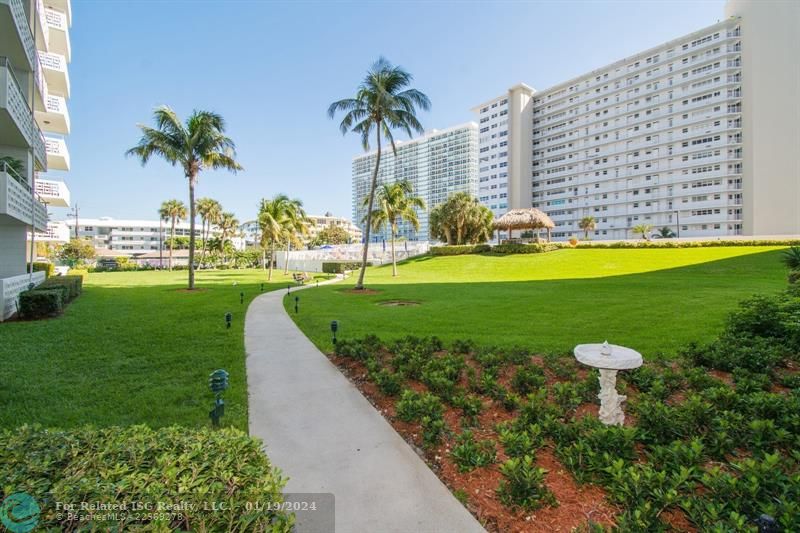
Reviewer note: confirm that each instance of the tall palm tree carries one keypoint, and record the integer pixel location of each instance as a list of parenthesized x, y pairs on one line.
[(273, 221), (174, 211), (228, 224), (382, 103), (210, 212), (395, 203), (643, 230), (297, 225), (587, 224), (199, 145)]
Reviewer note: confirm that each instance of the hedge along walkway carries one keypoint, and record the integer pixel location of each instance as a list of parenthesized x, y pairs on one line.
[(326, 437)]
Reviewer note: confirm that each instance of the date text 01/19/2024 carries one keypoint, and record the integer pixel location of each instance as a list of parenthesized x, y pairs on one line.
[(285, 506)]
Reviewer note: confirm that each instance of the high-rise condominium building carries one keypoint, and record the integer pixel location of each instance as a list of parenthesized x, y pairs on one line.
[(700, 134), (437, 164), (34, 87)]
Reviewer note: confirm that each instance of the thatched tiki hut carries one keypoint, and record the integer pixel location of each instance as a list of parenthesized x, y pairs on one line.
[(525, 219)]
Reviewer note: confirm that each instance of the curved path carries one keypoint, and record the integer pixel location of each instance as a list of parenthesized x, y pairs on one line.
[(326, 437)]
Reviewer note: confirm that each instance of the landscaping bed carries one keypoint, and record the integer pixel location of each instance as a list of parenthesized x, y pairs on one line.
[(710, 442)]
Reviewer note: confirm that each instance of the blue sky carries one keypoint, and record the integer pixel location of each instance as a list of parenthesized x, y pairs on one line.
[(271, 69)]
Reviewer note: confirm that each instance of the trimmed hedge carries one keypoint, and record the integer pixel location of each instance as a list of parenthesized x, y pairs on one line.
[(42, 303), (40, 266), (518, 248), (78, 272), (462, 249), (666, 243), (73, 284), (221, 480), (338, 267)]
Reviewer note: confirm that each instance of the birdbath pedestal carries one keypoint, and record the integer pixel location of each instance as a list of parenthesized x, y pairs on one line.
[(609, 358)]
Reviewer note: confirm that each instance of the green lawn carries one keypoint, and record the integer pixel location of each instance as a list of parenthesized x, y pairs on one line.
[(133, 348), (653, 300)]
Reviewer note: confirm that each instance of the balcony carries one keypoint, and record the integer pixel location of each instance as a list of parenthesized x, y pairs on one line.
[(58, 28), (17, 126), (52, 192), (16, 39), (55, 117), (17, 202), (55, 72), (57, 153), (64, 6), (42, 31)]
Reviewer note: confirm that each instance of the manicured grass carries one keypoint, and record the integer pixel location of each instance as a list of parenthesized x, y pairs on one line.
[(653, 300), (133, 348)]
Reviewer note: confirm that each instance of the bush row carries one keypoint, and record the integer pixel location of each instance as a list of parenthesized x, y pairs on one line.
[(223, 477), (40, 266), (338, 267), (50, 297)]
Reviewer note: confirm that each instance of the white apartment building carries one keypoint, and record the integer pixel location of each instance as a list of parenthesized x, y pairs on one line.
[(700, 134), (437, 164), (122, 237), (34, 87), (250, 232)]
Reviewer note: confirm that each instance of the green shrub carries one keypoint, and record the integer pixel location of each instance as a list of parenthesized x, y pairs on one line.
[(469, 454), (567, 396), (41, 266), (137, 464), (791, 257), (41, 303), (413, 406), (522, 442), (73, 285), (338, 267), (518, 248), (688, 244), (527, 379), (389, 383), (459, 249), (78, 272), (523, 484)]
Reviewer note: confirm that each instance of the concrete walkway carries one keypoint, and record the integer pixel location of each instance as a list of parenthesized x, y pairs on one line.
[(327, 438)]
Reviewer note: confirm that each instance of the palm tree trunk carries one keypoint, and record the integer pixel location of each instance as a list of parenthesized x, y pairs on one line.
[(203, 235), (171, 242), (394, 262), (192, 214), (271, 246), (286, 263), (373, 186)]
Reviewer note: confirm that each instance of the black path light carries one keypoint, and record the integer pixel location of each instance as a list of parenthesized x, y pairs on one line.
[(228, 319), (288, 289), (262, 287), (767, 524), (334, 329), (241, 297), (296, 304), (217, 382)]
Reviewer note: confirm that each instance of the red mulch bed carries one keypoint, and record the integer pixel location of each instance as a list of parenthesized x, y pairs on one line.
[(577, 504)]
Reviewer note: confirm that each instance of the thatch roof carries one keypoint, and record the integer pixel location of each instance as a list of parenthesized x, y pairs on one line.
[(530, 218)]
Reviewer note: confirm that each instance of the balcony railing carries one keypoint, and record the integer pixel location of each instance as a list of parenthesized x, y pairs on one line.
[(20, 18), (12, 99), (56, 74), (59, 33), (57, 153), (18, 201)]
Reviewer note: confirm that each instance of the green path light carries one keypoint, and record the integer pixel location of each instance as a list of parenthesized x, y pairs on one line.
[(218, 383), (241, 297), (296, 304), (228, 320), (262, 287), (334, 329)]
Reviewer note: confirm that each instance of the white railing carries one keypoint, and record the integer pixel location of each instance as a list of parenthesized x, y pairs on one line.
[(57, 152), (311, 260), (24, 30), (16, 200), (10, 288)]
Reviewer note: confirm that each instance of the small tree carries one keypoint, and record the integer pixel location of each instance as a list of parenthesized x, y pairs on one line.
[(76, 251), (395, 203), (666, 233), (174, 211), (461, 220), (587, 224), (331, 235), (644, 230)]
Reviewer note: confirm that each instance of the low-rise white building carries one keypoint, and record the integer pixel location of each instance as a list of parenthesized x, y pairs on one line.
[(249, 232)]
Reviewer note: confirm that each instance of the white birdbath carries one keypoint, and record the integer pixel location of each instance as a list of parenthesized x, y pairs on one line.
[(609, 358)]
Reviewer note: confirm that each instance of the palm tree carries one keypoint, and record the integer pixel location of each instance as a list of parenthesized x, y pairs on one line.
[(228, 224), (643, 230), (199, 145), (587, 224), (461, 220), (273, 221), (395, 203), (210, 211), (297, 224), (382, 103), (174, 211)]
